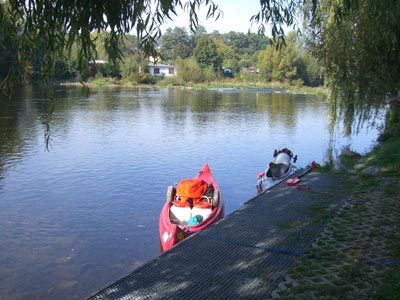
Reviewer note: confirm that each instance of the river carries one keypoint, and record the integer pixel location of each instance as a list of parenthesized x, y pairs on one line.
[(80, 200)]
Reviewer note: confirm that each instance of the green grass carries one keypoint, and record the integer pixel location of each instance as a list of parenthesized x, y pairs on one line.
[(390, 290), (261, 85), (387, 157), (216, 84), (354, 273), (349, 161), (391, 189), (104, 81)]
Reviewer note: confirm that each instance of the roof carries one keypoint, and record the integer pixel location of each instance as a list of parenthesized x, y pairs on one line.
[(161, 66)]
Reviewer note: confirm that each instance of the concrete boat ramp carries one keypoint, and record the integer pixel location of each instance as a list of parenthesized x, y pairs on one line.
[(243, 256)]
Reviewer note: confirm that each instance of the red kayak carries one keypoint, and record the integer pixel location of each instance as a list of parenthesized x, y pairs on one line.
[(191, 206)]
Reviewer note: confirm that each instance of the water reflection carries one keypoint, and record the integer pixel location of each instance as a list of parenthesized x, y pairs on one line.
[(81, 215)]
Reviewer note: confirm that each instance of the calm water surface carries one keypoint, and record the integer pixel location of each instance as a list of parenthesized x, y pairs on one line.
[(81, 215)]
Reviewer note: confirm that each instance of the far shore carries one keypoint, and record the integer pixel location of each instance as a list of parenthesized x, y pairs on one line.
[(219, 84)]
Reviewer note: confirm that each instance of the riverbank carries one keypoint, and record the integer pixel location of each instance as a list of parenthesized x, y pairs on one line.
[(245, 255), (357, 256), (333, 236), (221, 84)]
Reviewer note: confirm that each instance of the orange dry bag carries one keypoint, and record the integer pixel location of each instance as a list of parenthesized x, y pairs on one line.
[(191, 188)]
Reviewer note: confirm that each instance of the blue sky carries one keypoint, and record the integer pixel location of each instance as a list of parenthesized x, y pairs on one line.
[(236, 17)]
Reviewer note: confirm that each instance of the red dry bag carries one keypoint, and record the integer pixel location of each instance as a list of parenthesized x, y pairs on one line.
[(191, 188)]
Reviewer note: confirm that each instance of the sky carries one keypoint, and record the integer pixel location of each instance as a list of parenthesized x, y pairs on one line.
[(236, 17)]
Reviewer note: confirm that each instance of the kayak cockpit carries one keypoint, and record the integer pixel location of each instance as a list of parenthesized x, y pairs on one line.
[(187, 215), (277, 170), (191, 212)]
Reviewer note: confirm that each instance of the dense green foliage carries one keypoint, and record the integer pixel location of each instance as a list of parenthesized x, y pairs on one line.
[(7, 45), (280, 64), (237, 49), (206, 53), (176, 43), (387, 157), (357, 45)]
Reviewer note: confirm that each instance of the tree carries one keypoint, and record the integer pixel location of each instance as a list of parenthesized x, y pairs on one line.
[(280, 64), (207, 55), (197, 34), (237, 40), (243, 44), (229, 57), (357, 44), (175, 43), (8, 45), (133, 69), (257, 42), (129, 45), (189, 70), (245, 48), (308, 70)]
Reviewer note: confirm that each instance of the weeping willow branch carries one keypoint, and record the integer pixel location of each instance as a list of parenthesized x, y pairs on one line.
[(46, 120)]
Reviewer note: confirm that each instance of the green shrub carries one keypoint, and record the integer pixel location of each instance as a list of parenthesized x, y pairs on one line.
[(171, 81), (189, 71), (208, 74)]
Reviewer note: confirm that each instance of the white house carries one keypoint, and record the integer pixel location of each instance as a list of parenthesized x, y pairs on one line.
[(161, 70)]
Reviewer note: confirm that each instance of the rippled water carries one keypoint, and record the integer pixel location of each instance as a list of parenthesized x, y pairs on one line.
[(84, 213)]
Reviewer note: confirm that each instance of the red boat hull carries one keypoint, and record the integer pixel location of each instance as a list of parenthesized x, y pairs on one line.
[(172, 233)]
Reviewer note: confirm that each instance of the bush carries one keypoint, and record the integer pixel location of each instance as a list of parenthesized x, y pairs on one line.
[(189, 71), (208, 74), (133, 70), (249, 77), (64, 69), (171, 81)]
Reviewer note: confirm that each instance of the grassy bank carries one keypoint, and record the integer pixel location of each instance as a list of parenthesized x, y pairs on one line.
[(269, 86), (357, 256), (218, 84)]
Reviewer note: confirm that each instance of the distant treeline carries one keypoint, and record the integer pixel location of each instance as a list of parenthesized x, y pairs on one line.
[(199, 57)]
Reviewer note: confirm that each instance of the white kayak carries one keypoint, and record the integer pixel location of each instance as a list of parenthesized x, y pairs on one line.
[(277, 170)]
